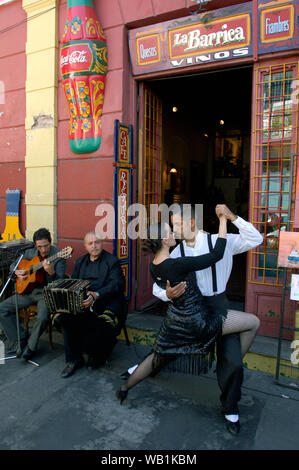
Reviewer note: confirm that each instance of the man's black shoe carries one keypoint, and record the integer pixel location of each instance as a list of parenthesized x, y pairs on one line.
[(28, 354), (71, 368), (233, 428)]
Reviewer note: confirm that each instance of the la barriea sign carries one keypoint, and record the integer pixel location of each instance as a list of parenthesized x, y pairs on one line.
[(219, 35)]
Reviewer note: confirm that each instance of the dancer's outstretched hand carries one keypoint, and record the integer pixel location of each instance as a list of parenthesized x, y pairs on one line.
[(222, 209)]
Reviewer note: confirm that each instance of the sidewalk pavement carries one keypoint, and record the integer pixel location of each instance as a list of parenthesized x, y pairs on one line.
[(41, 411)]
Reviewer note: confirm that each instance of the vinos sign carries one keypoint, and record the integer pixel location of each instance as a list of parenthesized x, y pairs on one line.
[(189, 41)]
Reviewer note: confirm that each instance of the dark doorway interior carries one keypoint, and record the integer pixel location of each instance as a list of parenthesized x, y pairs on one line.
[(206, 147)]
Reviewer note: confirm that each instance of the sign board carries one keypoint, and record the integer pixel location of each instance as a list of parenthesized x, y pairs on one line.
[(294, 295), (296, 214), (123, 198), (278, 29), (207, 37), (215, 36), (288, 252)]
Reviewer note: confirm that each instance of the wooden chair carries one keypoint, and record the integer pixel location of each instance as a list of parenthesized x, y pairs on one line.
[(29, 313)]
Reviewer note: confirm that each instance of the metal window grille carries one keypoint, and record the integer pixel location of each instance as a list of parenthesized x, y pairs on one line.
[(275, 140), (152, 153), (287, 369)]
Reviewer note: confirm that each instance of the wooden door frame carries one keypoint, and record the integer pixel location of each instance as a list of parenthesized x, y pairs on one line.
[(141, 136)]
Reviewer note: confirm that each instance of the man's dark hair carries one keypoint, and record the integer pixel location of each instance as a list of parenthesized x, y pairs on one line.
[(41, 234), (184, 208)]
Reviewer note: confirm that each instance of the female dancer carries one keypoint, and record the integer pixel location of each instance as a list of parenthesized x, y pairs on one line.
[(188, 333)]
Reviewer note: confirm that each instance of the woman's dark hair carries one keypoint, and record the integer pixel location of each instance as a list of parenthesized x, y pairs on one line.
[(42, 234), (155, 235)]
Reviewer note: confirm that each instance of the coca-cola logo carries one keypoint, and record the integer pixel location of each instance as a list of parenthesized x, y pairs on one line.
[(76, 57)]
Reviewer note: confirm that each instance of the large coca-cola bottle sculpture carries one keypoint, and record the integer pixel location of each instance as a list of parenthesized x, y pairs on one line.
[(83, 64)]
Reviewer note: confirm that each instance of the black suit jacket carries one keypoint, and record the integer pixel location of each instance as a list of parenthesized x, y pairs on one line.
[(109, 282)]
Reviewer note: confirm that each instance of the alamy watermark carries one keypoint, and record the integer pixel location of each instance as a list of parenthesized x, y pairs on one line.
[(135, 220), (295, 92), (295, 353)]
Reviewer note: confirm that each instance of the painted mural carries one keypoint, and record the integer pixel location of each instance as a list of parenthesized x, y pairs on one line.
[(83, 64)]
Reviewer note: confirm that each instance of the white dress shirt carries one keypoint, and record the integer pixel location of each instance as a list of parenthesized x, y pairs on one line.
[(247, 239)]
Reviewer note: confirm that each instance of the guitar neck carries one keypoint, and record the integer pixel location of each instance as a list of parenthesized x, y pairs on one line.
[(37, 266)]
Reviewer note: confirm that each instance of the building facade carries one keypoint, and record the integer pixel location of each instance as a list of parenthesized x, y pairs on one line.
[(200, 105)]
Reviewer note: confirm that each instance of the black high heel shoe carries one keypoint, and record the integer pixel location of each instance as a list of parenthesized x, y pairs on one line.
[(121, 395)]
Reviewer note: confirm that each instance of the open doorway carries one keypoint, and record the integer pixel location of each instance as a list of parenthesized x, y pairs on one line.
[(206, 148)]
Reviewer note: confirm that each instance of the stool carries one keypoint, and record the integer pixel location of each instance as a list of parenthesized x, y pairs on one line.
[(27, 313)]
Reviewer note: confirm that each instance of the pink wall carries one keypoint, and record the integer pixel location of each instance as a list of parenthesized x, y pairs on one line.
[(12, 107), (84, 181)]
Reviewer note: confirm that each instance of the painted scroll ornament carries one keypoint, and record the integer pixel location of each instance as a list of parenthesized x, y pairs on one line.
[(12, 230), (83, 64)]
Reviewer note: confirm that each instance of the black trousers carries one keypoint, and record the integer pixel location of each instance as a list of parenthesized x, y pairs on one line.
[(229, 369), (86, 333), (229, 366)]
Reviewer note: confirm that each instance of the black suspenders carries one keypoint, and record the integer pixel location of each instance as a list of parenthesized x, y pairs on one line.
[(213, 267), (182, 249)]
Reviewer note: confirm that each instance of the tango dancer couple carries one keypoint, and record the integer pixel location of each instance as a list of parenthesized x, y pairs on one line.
[(193, 278)]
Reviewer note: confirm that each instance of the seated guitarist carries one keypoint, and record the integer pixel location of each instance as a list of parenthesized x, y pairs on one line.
[(32, 294)]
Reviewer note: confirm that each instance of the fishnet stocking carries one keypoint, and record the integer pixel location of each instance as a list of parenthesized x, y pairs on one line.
[(244, 323)]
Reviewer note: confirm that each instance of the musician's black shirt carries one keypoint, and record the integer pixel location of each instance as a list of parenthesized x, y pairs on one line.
[(90, 270)]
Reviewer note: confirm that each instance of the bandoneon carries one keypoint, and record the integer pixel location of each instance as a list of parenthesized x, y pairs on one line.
[(66, 295)]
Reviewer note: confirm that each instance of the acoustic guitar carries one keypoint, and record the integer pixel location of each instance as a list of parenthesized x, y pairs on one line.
[(32, 267)]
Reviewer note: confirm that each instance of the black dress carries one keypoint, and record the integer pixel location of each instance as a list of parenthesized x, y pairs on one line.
[(188, 333)]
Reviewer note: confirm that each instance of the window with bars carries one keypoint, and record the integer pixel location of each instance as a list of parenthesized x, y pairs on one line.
[(276, 135), (152, 152)]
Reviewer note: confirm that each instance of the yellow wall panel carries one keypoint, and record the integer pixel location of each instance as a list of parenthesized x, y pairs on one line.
[(41, 115), (40, 109), (41, 148), (42, 70), (41, 216)]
